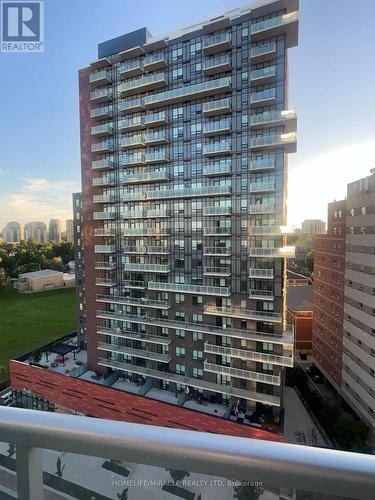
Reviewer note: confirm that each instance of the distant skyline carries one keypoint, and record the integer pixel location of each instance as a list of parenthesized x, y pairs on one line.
[(331, 87)]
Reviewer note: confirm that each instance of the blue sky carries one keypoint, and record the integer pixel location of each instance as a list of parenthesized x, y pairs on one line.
[(332, 82)]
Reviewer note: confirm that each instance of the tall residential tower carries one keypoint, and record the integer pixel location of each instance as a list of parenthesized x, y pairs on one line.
[(184, 144)]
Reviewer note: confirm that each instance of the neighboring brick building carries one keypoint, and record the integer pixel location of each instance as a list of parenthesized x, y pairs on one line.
[(328, 294), (299, 311)]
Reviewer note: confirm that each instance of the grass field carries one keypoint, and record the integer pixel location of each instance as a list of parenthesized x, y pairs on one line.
[(30, 320)]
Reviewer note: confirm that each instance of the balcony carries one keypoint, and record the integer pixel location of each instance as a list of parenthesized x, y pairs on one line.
[(217, 210), (263, 75), (243, 374), (102, 130), (289, 140), (134, 141), (102, 112), (131, 105), (157, 212), (218, 43), (133, 214), (102, 77), (219, 107), (142, 250), (135, 123), (132, 301), (249, 355), (223, 271), (189, 92), (190, 192), (217, 251), (304, 468), (104, 232), (130, 68), (157, 137), (147, 268), (262, 208), (135, 284), (263, 97), (262, 186), (105, 282), (267, 274), (217, 231), (149, 176), (270, 230), (143, 84), (104, 198), (153, 62), (104, 215), (156, 119), (287, 251), (257, 294), (260, 164), (286, 23), (102, 147), (105, 266), (132, 335), (288, 118), (101, 95), (213, 128), (215, 65), (136, 353), (132, 196), (217, 148), (106, 180), (146, 231), (186, 288), (219, 168), (239, 312), (103, 164), (157, 157), (105, 248), (132, 159), (264, 52)]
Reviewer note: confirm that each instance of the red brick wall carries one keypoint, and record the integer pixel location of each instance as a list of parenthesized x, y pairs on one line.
[(103, 402)]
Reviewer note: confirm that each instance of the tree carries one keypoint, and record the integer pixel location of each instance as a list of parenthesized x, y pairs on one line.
[(178, 475), (3, 279)]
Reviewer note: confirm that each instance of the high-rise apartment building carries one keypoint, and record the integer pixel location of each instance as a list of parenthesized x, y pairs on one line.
[(328, 294), (69, 230), (36, 231), (358, 361), (54, 231), (12, 232), (313, 226), (184, 144)]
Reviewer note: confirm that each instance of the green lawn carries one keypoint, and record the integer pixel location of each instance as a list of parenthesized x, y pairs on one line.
[(30, 320)]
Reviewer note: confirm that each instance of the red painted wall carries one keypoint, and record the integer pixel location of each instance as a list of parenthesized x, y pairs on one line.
[(104, 402)]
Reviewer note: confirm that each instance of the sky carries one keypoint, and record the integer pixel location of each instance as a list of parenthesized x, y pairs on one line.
[(332, 82)]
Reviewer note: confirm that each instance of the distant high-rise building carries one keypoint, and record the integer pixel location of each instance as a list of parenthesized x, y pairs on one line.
[(69, 230), (54, 231), (184, 143), (12, 232), (36, 231), (313, 226)]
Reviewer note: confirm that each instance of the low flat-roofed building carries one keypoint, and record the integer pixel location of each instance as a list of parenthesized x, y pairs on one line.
[(299, 310), (38, 281), (296, 279)]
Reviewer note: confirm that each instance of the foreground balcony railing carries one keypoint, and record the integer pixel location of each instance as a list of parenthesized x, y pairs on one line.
[(293, 467)]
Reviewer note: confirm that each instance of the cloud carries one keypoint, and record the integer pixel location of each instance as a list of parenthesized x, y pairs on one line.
[(38, 199), (323, 178)]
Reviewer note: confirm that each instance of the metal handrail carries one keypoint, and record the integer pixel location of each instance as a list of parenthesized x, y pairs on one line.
[(286, 465)]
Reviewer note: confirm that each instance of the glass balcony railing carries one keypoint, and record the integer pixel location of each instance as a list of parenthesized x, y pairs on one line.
[(152, 250), (136, 140), (188, 92), (106, 129), (242, 313), (160, 118), (146, 231), (155, 61), (224, 271), (104, 232), (147, 268), (102, 164), (133, 214), (105, 266), (134, 335), (130, 68), (215, 65), (105, 282), (131, 123), (104, 181), (217, 148), (131, 105), (101, 77), (132, 159), (157, 137), (217, 231), (263, 75), (263, 52), (104, 215), (262, 164), (143, 84), (133, 301), (287, 251), (270, 230), (243, 374), (104, 198), (186, 288), (210, 211), (189, 192), (150, 176), (217, 127), (217, 251), (102, 112), (102, 147), (157, 212), (273, 140), (263, 96), (257, 294), (136, 353), (249, 355), (135, 284), (262, 186), (101, 95), (220, 168), (105, 248), (217, 43), (156, 157), (210, 458), (274, 22), (217, 107), (270, 117), (262, 208), (261, 273)]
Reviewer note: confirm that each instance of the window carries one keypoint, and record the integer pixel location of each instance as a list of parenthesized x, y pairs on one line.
[(176, 54), (180, 351), (197, 373), (178, 112), (363, 210), (180, 316), (180, 369), (197, 300), (197, 336), (197, 318), (180, 299), (195, 48), (177, 73), (197, 355), (180, 334)]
